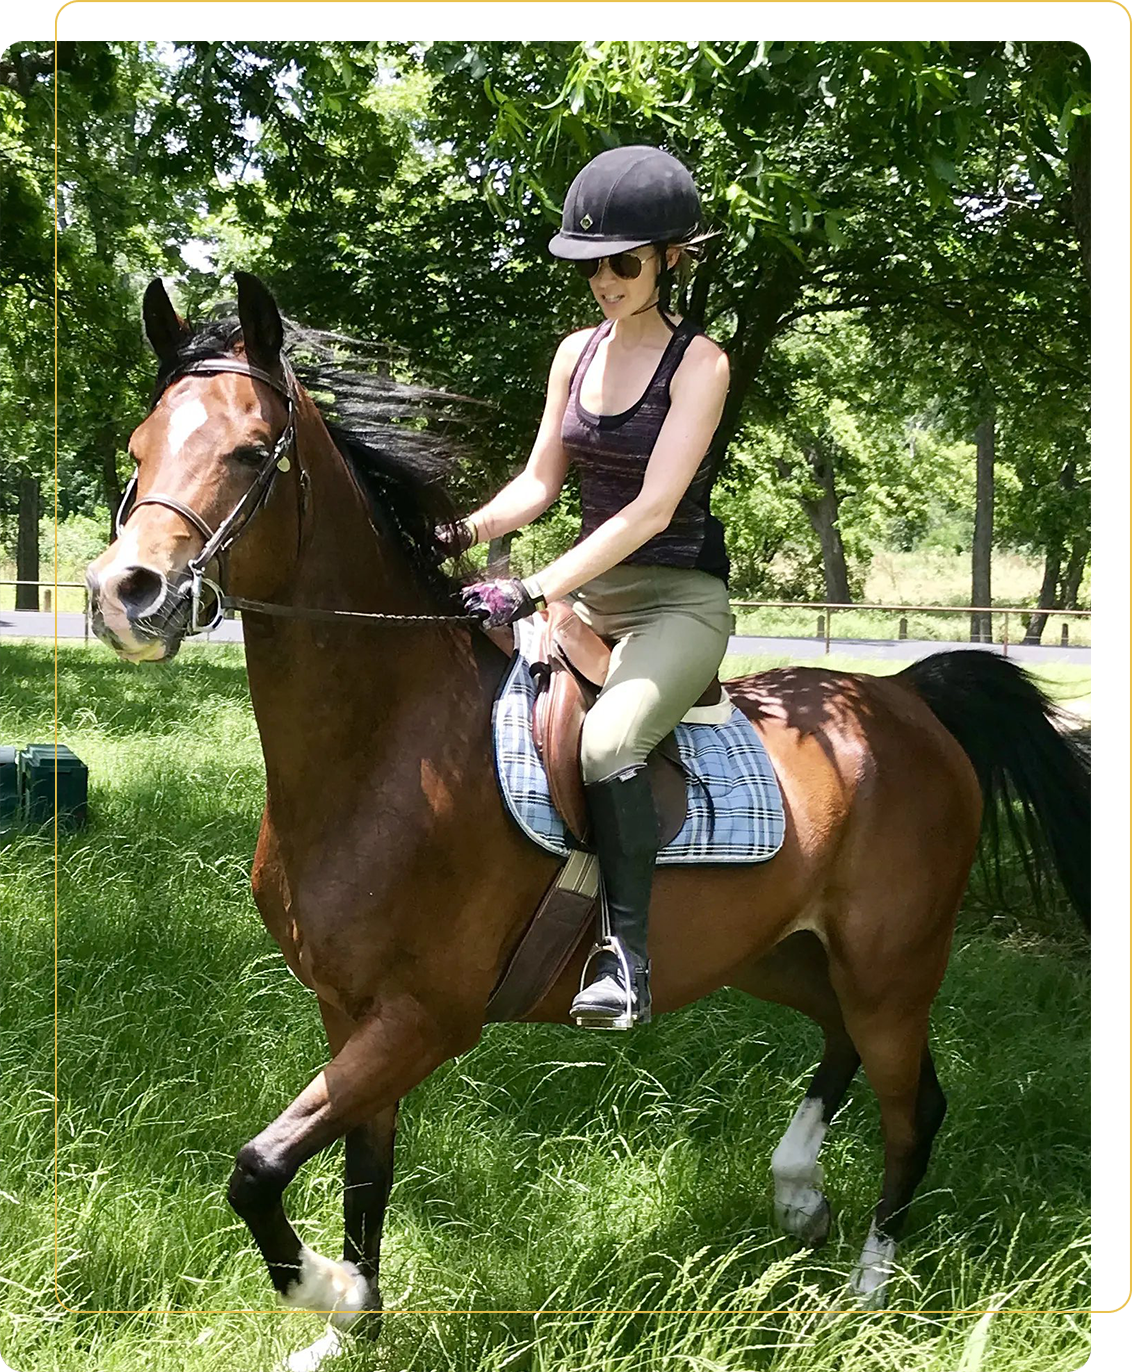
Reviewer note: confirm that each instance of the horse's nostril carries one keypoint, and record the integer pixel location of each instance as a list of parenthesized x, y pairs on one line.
[(139, 590)]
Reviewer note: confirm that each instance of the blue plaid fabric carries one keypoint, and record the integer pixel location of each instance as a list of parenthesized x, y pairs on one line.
[(734, 808)]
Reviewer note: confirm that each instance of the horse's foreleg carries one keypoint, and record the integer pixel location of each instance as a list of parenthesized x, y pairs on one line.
[(368, 1174), (368, 1179), (382, 1059)]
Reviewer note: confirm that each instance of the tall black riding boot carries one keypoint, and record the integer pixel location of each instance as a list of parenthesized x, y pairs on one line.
[(625, 837)]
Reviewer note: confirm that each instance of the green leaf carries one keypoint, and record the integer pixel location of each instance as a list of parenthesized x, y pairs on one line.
[(943, 168), (977, 83)]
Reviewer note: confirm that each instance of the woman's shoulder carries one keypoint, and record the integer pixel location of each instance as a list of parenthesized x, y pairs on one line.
[(703, 363), (574, 344), (570, 350), (700, 346)]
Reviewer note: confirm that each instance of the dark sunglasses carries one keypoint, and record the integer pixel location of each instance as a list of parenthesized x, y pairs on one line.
[(622, 264)]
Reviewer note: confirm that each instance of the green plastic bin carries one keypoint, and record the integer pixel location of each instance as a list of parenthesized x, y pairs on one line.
[(38, 764), (9, 789)]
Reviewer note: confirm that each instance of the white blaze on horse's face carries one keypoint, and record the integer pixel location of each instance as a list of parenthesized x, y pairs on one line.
[(185, 420)]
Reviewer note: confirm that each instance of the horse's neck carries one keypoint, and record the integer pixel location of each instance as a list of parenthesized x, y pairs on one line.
[(359, 700)]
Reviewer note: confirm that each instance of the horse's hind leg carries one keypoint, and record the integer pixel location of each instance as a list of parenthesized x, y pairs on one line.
[(796, 973), (800, 1207), (912, 1105)]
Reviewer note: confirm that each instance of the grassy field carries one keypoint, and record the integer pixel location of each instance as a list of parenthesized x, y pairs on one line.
[(544, 1170)]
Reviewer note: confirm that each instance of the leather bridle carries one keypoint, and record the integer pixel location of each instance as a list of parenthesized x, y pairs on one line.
[(217, 543)]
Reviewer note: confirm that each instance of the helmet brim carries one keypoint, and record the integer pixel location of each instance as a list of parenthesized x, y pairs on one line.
[(577, 249), (586, 249)]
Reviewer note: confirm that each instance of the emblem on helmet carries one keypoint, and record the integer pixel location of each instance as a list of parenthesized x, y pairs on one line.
[(586, 222)]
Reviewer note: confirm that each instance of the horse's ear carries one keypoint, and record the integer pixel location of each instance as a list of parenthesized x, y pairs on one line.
[(259, 319), (164, 327)]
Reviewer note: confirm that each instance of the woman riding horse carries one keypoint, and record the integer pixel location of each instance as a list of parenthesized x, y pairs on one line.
[(634, 403)]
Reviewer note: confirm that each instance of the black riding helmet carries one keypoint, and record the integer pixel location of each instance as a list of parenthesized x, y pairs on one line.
[(629, 198)]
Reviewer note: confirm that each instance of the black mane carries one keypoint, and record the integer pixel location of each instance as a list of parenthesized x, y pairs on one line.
[(397, 439)]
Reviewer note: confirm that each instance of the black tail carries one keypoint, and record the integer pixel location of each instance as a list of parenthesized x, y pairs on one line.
[(1032, 773)]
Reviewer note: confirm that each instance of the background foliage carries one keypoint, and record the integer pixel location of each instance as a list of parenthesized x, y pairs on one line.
[(904, 255)]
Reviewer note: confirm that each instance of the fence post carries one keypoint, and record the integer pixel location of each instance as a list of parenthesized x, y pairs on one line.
[(47, 600), (1006, 634), (828, 626), (903, 631), (1065, 635), (821, 627), (86, 616)]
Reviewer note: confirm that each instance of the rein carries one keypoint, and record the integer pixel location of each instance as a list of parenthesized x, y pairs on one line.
[(218, 542)]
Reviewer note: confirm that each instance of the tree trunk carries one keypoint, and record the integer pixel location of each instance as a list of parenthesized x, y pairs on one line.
[(824, 516), (697, 300), (759, 316), (1074, 570), (1080, 188), (1047, 596), (984, 526), (27, 544)]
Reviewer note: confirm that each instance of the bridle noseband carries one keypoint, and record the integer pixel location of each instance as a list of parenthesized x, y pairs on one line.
[(216, 544)]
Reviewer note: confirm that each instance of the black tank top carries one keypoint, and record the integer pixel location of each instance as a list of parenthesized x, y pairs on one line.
[(612, 451)]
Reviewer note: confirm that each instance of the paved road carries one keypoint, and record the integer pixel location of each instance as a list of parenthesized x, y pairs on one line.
[(35, 624), (38, 624)]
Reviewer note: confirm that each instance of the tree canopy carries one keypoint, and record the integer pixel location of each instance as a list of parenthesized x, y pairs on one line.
[(903, 256)]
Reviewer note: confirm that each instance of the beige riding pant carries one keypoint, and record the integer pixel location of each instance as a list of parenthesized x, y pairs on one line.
[(671, 625)]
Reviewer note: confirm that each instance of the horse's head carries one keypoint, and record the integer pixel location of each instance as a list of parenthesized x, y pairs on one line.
[(207, 455)]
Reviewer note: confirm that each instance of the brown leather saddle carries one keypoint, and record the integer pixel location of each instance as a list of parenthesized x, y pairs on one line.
[(571, 667)]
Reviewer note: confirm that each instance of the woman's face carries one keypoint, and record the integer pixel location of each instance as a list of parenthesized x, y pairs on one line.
[(619, 297)]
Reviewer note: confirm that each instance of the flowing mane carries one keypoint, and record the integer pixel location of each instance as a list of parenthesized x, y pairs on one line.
[(396, 438)]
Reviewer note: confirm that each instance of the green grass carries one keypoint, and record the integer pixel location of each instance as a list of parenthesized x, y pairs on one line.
[(545, 1169)]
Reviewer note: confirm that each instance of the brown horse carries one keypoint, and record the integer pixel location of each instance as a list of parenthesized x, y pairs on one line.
[(395, 882)]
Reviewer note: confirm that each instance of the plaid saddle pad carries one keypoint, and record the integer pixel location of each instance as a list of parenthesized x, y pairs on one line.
[(734, 805)]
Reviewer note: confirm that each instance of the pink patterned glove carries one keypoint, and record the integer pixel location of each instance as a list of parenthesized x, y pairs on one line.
[(498, 602)]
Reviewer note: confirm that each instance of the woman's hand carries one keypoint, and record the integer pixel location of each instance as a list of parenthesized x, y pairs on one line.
[(498, 602), (456, 538)]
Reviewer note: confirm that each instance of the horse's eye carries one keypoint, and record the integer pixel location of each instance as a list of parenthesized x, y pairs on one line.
[(252, 455)]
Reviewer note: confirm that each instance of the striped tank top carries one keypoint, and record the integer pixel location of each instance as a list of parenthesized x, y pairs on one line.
[(611, 452)]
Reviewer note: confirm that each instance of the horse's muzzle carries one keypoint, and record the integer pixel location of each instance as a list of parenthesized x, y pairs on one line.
[(138, 612)]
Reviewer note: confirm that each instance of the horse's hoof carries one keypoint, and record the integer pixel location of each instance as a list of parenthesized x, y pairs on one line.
[(806, 1217), (317, 1355), (869, 1282), (816, 1229), (367, 1323)]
